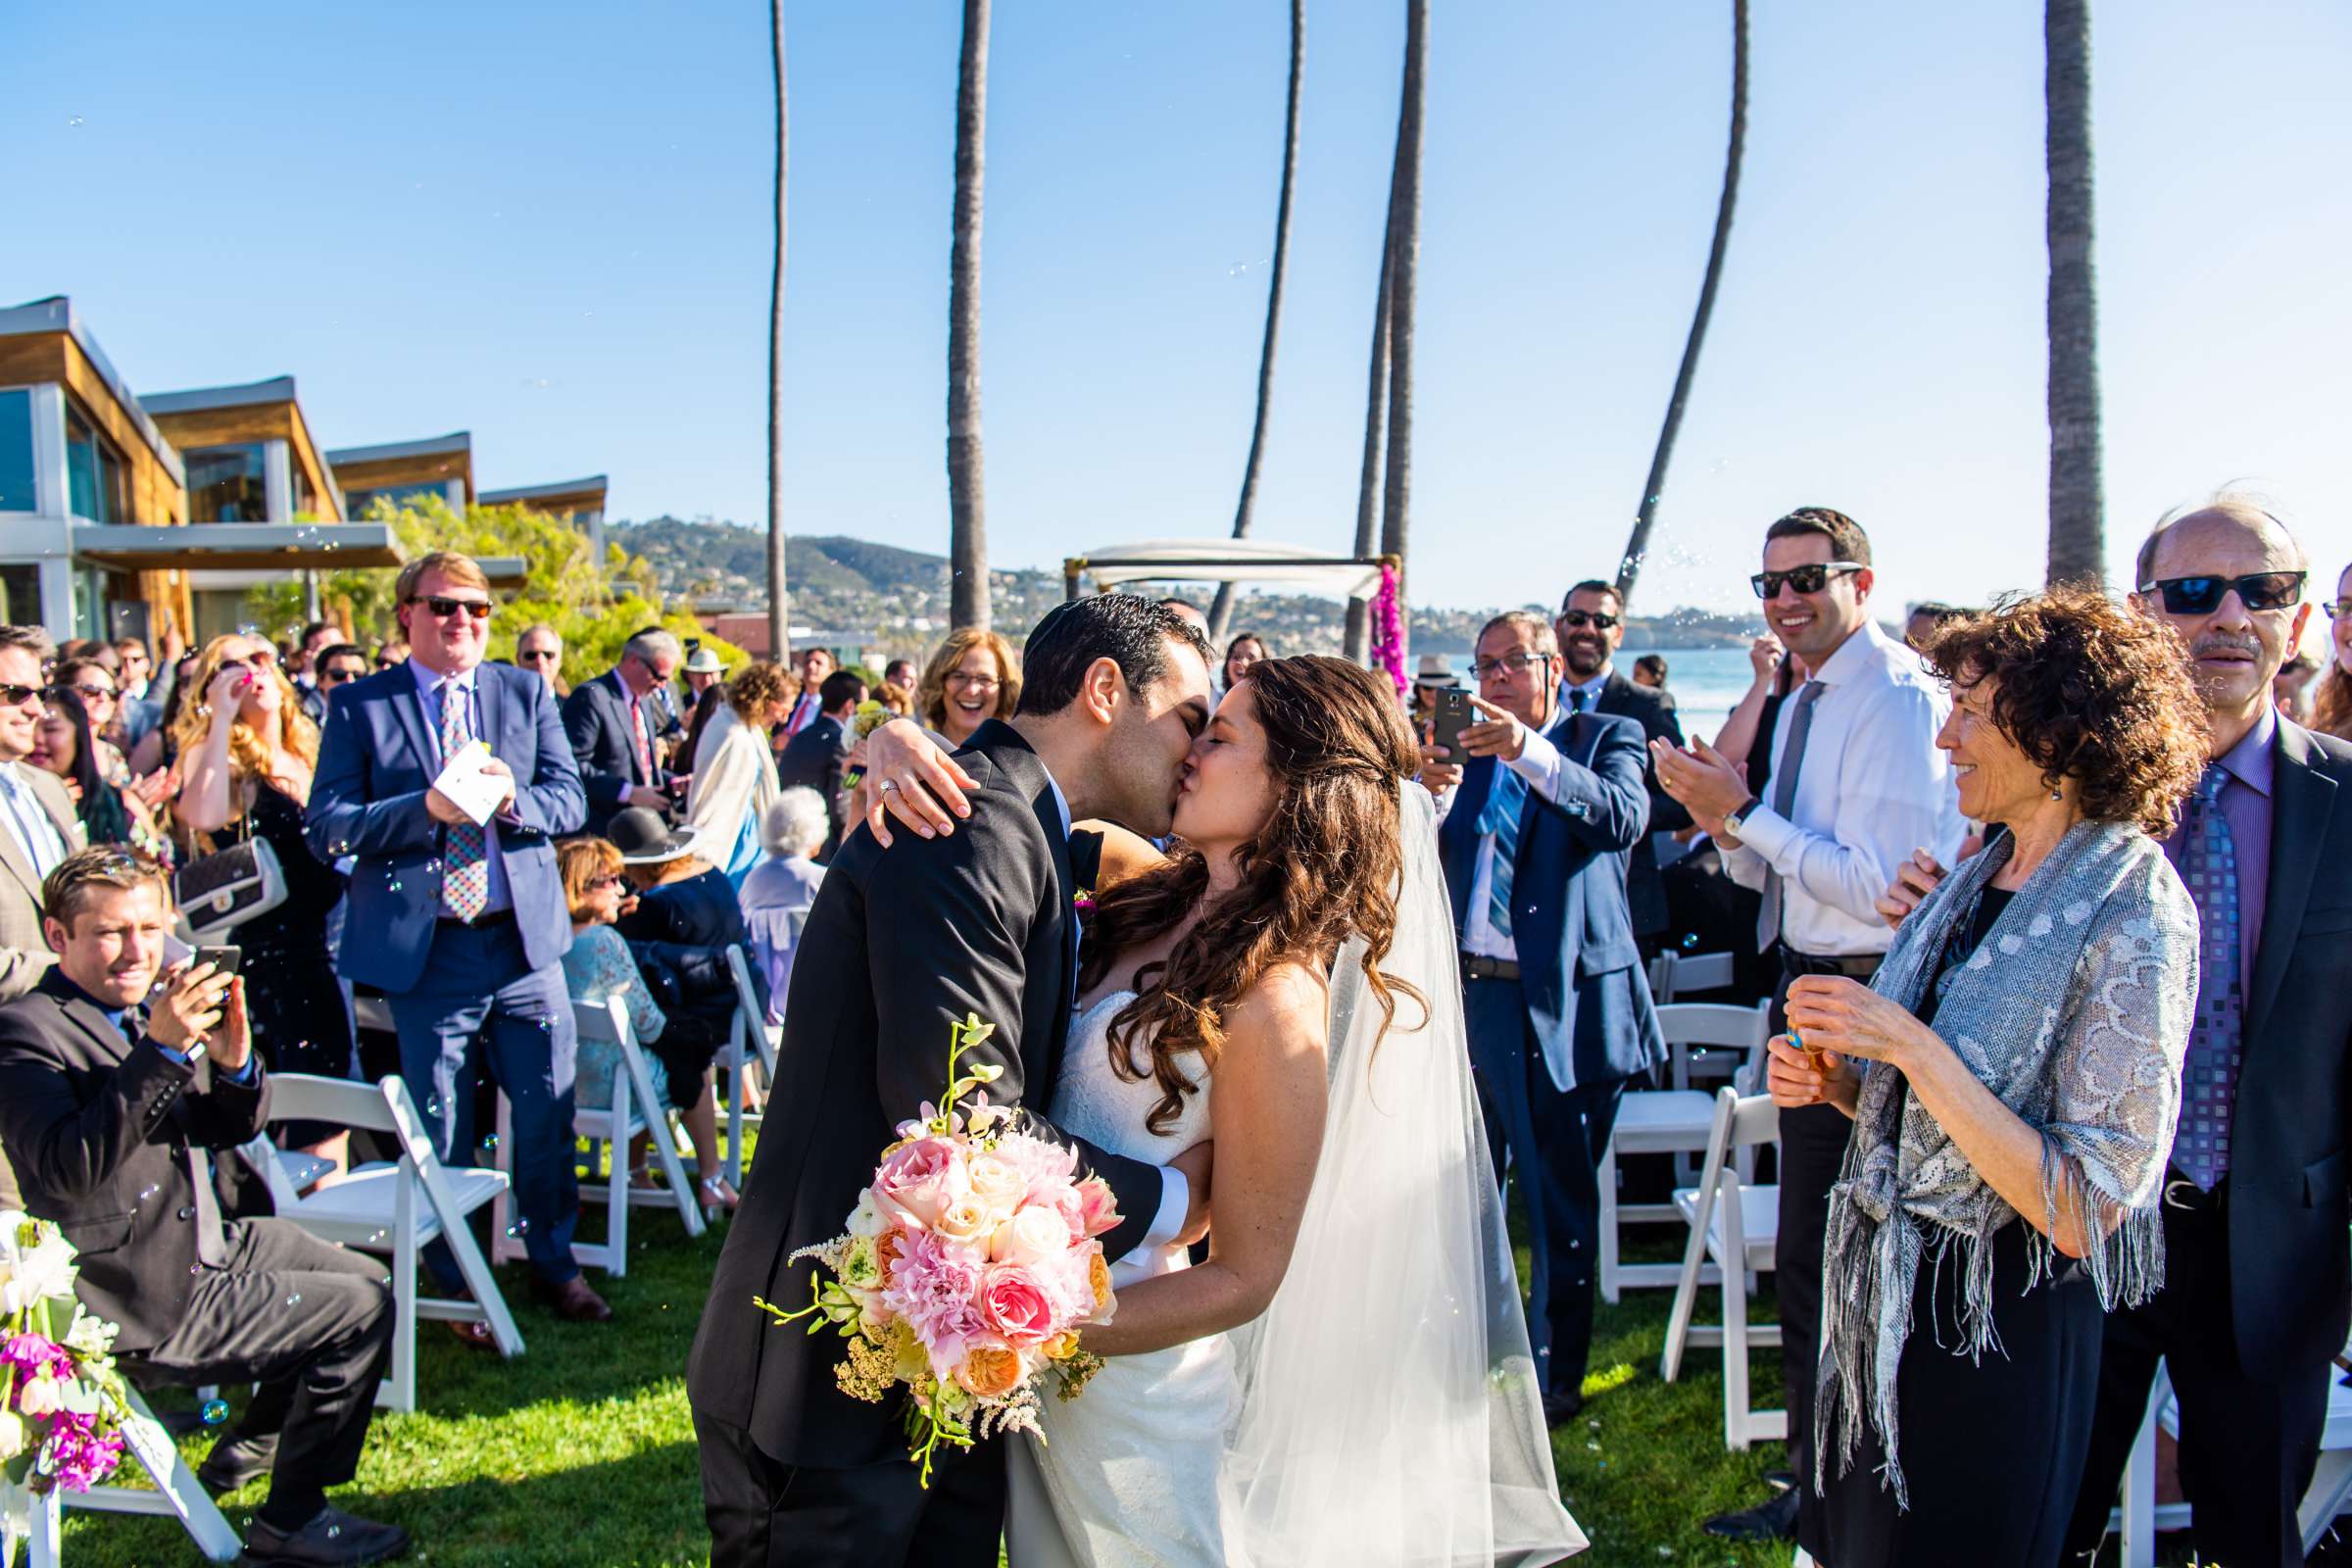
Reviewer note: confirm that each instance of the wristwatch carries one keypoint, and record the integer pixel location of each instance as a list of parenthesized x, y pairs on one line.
[(1736, 823)]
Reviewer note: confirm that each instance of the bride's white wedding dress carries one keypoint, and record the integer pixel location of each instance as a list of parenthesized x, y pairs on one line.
[(1384, 1409)]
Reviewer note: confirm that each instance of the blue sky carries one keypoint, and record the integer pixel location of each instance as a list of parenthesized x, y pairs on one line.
[(548, 224)]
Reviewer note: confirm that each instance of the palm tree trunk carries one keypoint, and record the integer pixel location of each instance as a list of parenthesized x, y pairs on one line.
[(1405, 259), (967, 522), (2078, 542), (1220, 613), (779, 606), (1358, 645), (1637, 547)]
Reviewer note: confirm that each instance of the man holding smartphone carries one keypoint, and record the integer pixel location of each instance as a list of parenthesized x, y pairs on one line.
[(1538, 816), (113, 1105)]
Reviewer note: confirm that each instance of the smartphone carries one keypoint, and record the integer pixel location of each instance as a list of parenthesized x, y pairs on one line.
[(225, 961), (1454, 715)]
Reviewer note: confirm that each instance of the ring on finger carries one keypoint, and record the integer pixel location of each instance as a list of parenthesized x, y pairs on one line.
[(888, 784)]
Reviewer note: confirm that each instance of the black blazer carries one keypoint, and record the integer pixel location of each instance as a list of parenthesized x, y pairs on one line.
[(1644, 889), (898, 943), (595, 722), (2289, 1192), (815, 758), (99, 1129)]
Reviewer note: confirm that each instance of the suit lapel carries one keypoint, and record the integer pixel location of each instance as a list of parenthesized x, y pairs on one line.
[(13, 857), (493, 696), (112, 1043), (2302, 800), (1020, 763), (408, 711)]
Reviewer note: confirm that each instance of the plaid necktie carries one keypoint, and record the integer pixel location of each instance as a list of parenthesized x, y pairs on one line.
[(1501, 820), (2217, 1037), (465, 848)]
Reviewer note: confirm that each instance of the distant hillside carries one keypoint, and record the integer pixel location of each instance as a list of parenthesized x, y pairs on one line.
[(848, 584)]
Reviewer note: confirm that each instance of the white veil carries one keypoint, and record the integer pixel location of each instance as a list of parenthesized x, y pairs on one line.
[(1388, 1410)]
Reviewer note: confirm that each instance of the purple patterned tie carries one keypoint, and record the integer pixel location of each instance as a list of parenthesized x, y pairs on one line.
[(2215, 1039), (464, 851)]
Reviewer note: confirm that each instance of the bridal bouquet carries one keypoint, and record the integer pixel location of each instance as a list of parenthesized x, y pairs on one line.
[(966, 1269), (63, 1408)]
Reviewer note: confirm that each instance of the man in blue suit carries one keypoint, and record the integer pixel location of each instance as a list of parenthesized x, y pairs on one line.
[(1535, 835), (463, 926), (615, 723)]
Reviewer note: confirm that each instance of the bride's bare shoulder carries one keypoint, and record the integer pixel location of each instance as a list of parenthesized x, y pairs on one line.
[(1287, 1009)]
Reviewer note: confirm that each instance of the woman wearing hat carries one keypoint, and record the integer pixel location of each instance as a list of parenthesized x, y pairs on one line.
[(683, 919), (1435, 676), (704, 691)]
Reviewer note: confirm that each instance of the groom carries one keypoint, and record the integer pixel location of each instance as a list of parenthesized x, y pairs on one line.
[(899, 944)]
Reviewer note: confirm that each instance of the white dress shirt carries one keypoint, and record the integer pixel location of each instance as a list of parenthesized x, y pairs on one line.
[(28, 824), (1540, 763), (467, 689), (1872, 786), (1176, 1191)]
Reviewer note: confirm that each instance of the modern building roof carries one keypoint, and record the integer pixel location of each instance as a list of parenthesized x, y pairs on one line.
[(239, 546), (594, 484), (277, 389), (56, 313), (457, 443)]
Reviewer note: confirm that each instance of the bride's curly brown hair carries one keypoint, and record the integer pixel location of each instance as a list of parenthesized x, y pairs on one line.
[(1324, 867)]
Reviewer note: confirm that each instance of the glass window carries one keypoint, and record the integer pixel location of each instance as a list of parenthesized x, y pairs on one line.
[(20, 594), (16, 452), (305, 499), (94, 471), (358, 502), (227, 485)]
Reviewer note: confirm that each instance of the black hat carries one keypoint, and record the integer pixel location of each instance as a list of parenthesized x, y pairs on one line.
[(644, 839)]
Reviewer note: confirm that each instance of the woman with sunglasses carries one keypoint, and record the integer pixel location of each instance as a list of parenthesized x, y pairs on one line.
[(247, 754), (64, 744), (94, 684), (2331, 697), (598, 968)]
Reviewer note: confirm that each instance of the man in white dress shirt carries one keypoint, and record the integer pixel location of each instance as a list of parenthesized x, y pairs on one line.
[(37, 829), (1857, 785)]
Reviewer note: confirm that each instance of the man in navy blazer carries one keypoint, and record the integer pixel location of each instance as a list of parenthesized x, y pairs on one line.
[(614, 722), (464, 926), (1538, 825)]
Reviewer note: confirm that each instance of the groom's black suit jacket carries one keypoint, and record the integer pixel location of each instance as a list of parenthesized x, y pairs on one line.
[(899, 943)]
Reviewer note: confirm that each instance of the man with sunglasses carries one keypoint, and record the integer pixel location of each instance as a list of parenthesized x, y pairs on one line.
[(1857, 786), (1592, 629), (463, 925), (615, 725), (38, 828), (340, 666), (540, 649), (2257, 1288)]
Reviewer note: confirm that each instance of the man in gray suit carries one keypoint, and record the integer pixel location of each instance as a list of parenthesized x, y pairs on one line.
[(37, 829)]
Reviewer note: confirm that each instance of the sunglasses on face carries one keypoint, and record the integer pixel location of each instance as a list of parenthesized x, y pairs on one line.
[(533, 655), (1517, 663), (338, 674), (599, 884), (2337, 610), (2202, 596), (1579, 619), (19, 695), (442, 606), (1810, 579), (107, 692)]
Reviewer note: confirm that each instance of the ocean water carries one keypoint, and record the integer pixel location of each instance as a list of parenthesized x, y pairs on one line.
[(1707, 683)]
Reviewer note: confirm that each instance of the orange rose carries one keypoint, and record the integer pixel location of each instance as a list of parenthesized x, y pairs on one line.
[(1098, 1275), (988, 1372), (886, 1250), (1061, 1346)]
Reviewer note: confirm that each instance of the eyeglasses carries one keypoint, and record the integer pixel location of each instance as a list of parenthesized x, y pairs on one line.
[(533, 655), (1810, 579), (443, 607), (95, 691), (1516, 662), (2337, 610), (599, 884), (974, 682), (19, 695), (1578, 619), (2202, 596)]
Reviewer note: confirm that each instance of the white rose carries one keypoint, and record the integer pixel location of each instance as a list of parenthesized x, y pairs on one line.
[(998, 1185), (12, 1434), (966, 1220), (41, 1396), (1033, 1233), (866, 1220)]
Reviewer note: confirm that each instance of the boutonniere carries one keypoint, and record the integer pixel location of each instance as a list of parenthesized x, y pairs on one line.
[(1083, 901)]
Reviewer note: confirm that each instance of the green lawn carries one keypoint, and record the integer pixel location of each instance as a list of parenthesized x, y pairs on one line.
[(582, 1452)]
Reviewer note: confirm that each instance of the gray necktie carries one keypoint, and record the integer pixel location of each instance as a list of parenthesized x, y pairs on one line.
[(212, 1243), (1783, 798)]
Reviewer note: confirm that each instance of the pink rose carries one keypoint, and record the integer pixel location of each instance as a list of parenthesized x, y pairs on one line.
[(1015, 1303), (1100, 1210), (922, 1179), (1043, 1163)]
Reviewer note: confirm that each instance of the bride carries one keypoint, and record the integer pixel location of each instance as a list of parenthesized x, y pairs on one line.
[(1345, 1378)]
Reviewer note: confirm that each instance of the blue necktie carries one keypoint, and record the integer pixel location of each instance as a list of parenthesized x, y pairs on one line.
[(1500, 818), (2217, 1037)]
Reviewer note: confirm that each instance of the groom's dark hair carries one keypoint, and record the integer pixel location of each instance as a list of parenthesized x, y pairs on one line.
[(1132, 631)]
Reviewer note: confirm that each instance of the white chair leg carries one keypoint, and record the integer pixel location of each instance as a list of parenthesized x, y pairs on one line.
[(1686, 1302), (399, 1390), (2330, 1484), (1735, 1355), (1607, 1175), (617, 1183), (48, 1533), (160, 1457), (673, 1173)]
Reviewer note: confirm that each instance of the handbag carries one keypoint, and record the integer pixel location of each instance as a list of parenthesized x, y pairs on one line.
[(218, 891)]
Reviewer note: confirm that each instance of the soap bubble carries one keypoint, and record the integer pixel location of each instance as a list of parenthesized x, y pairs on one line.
[(215, 1412)]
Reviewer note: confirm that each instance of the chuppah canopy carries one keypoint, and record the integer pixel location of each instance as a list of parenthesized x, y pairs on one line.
[(1250, 560)]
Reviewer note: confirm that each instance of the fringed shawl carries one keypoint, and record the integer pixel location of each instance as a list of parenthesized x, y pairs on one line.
[(2075, 1011)]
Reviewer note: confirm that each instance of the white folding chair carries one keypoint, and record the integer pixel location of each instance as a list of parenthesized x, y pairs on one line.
[(397, 1210), (1673, 973), (1734, 1224), (176, 1495), (749, 1035), (1677, 1122), (635, 1108)]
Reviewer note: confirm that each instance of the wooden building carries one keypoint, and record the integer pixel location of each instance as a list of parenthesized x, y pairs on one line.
[(406, 470)]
